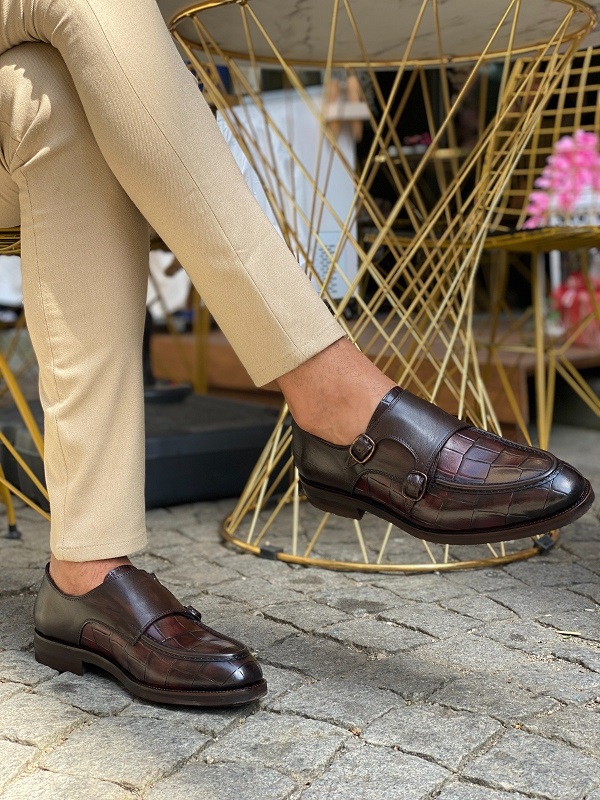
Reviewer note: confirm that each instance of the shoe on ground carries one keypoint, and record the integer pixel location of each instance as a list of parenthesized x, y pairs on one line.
[(135, 629)]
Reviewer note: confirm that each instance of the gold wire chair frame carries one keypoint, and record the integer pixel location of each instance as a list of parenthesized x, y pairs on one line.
[(590, 18), (571, 107), (438, 297)]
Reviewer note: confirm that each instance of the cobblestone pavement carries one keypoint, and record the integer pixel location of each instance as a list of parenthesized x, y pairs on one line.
[(479, 685)]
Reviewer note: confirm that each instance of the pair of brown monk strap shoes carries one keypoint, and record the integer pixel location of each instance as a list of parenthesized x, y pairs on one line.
[(416, 466)]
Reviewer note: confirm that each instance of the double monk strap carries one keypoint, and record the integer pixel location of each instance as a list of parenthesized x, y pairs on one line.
[(439, 478)]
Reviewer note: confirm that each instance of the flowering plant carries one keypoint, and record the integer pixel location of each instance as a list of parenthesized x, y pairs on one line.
[(568, 190)]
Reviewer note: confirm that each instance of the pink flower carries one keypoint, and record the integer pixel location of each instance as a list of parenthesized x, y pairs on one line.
[(570, 172)]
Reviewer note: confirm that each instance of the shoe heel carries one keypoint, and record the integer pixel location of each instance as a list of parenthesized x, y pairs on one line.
[(329, 501), (57, 656)]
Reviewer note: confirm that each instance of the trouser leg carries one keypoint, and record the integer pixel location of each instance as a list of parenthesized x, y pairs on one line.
[(161, 141), (85, 266)]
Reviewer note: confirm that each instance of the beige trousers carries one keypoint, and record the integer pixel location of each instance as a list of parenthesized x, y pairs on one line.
[(102, 128)]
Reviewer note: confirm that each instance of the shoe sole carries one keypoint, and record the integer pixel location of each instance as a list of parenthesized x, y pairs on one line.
[(345, 505), (66, 658)]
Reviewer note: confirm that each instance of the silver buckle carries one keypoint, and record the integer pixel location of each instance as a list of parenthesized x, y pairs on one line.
[(368, 442), (422, 489)]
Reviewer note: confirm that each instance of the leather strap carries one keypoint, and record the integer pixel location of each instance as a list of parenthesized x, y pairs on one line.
[(128, 600), (420, 426)]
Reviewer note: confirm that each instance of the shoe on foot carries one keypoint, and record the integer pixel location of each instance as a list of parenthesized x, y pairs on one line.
[(439, 478), (133, 627)]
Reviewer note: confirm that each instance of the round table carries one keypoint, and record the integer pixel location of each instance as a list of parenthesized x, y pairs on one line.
[(368, 103)]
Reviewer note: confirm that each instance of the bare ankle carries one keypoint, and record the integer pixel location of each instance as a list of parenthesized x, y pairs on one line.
[(334, 394), (79, 577)]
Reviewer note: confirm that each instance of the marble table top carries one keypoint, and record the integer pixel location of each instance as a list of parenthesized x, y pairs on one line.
[(301, 27)]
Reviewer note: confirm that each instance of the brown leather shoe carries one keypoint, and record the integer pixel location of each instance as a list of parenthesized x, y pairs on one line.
[(438, 478), (136, 630)]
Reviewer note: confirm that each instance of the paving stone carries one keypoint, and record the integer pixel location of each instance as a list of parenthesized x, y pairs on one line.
[(23, 668), (481, 608), (20, 579), (568, 683), (527, 763), (256, 592), (585, 623), (347, 703), (206, 536), (473, 653), (16, 628), (7, 689), (541, 573), (590, 590), (94, 692), (424, 588), (212, 722), (309, 581), (371, 773), (359, 600), (447, 737), (577, 726), (214, 610), (280, 682), (307, 615), (430, 619), (493, 696), (249, 566), (300, 748), (525, 635), (376, 636), (486, 581), (31, 719), (216, 781), (14, 757), (532, 601), (131, 752), (166, 540), (406, 674), (318, 658), (43, 785), (198, 573), (577, 654), (469, 791), (14, 552)]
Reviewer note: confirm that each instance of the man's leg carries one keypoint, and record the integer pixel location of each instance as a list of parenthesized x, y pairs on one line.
[(85, 265)]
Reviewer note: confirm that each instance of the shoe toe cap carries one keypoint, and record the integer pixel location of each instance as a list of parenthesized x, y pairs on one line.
[(243, 674)]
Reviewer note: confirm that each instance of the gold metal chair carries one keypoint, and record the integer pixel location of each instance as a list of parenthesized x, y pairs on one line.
[(10, 244), (411, 311), (573, 105)]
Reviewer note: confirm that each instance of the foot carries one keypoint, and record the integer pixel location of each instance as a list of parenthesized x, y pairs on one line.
[(133, 627), (438, 478)]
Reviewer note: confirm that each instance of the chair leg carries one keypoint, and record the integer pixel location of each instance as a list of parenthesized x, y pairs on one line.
[(544, 378), (5, 497)]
